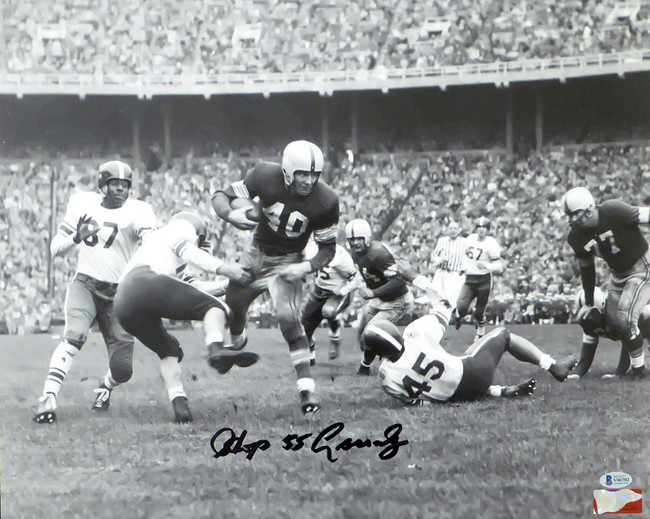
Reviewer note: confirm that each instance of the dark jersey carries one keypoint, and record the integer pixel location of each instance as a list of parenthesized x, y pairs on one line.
[(617, 237), (378, 268), (287, 220)]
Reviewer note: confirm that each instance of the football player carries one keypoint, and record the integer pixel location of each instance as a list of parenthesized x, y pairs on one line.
[(416, 367), (105, 228), (484, 255), (597, 323), (451, 262), (388, 294), (330, 297), (611, 231), (152, 288), (294, 204)]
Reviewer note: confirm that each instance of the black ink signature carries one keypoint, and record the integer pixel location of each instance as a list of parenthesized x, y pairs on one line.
[(235, 444), (326, 441), (391, 442)]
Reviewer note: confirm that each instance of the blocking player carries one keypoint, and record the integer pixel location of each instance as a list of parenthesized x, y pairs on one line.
[(294, 205), (388, 294), (611, 231), (330, 297), (417, 368), (105, 228), (152, 288), (484, 259), (449, 259)]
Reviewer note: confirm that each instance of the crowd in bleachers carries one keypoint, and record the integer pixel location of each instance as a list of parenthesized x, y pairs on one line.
[(163, 37), (408, 198)]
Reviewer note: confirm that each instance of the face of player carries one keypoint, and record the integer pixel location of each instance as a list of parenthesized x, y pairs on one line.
[(482, 232), (304, 182), (117, 191), (357, 244), (453, 229), (582, 219)]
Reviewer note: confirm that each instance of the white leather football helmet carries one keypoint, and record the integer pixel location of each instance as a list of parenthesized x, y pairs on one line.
[(358, 228), (600, 299), (301, 156), (578, 199), (200, 225)]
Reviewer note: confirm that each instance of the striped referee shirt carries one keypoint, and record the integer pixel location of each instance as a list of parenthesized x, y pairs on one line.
[(453, 251)]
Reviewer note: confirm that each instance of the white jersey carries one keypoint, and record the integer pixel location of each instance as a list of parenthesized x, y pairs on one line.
[(425, 370), (104, 255), (337, 273), (481, 252), (453, 251), (162, 251)]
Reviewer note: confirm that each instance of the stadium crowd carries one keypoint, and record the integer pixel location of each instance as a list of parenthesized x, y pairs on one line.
[(406, 197), (161, 37)]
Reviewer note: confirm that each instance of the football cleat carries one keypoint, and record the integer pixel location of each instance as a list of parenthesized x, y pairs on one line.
[(240, 344), (335, 349), (560, 370), (312, 354), (636, 373), (182, 412), (524, 389), (459, 320), (364, 370), (103, 398), (46, 407), (223, 359), (308, 402)]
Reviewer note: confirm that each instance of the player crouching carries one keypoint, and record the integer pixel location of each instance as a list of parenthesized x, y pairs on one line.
[(415, 367), (151, 289)]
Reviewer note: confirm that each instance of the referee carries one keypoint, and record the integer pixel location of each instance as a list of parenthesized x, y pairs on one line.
[(450, 261)]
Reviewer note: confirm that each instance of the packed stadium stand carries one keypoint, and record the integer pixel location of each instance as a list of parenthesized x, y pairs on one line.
[(85, 81)]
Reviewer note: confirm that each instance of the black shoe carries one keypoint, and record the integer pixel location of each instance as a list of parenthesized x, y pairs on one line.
[(103, 398), (364, 370), (223, 359), (459, 321), (636, 373), (182, 412), (523, 389), (560, 370), (308, 403)]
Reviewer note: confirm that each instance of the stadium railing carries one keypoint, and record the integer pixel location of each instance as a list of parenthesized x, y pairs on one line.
[(325, 82)]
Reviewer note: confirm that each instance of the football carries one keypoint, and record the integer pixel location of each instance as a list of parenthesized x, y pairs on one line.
[(253, 211)]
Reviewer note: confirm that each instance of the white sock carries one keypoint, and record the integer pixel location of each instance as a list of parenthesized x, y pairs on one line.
[(637, 358), (546, 361), (60, 363), (495, 390), (170, 371), (109, 381), (214, 325), (306, 384)]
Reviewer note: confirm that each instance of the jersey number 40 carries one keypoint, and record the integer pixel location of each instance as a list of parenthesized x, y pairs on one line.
[(281, 221)]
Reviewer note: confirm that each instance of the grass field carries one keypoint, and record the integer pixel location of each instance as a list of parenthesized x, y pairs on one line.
[(538, 457)]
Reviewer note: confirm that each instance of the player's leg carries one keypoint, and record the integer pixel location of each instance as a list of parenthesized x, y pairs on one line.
[(286, 298), (462, 304), (367, 313), (525, 351), (119, 344), (310, 317), (136, 315), (80, 313), (634, 295), (332, 311), (483, 290)]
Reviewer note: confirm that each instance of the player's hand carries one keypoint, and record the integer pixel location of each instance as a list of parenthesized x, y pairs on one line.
[(86, 228), (236, 272), (295, 271), (444, 264), (366, 293), (239, 219), (206, 246), (584, 312), (482, 266)]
